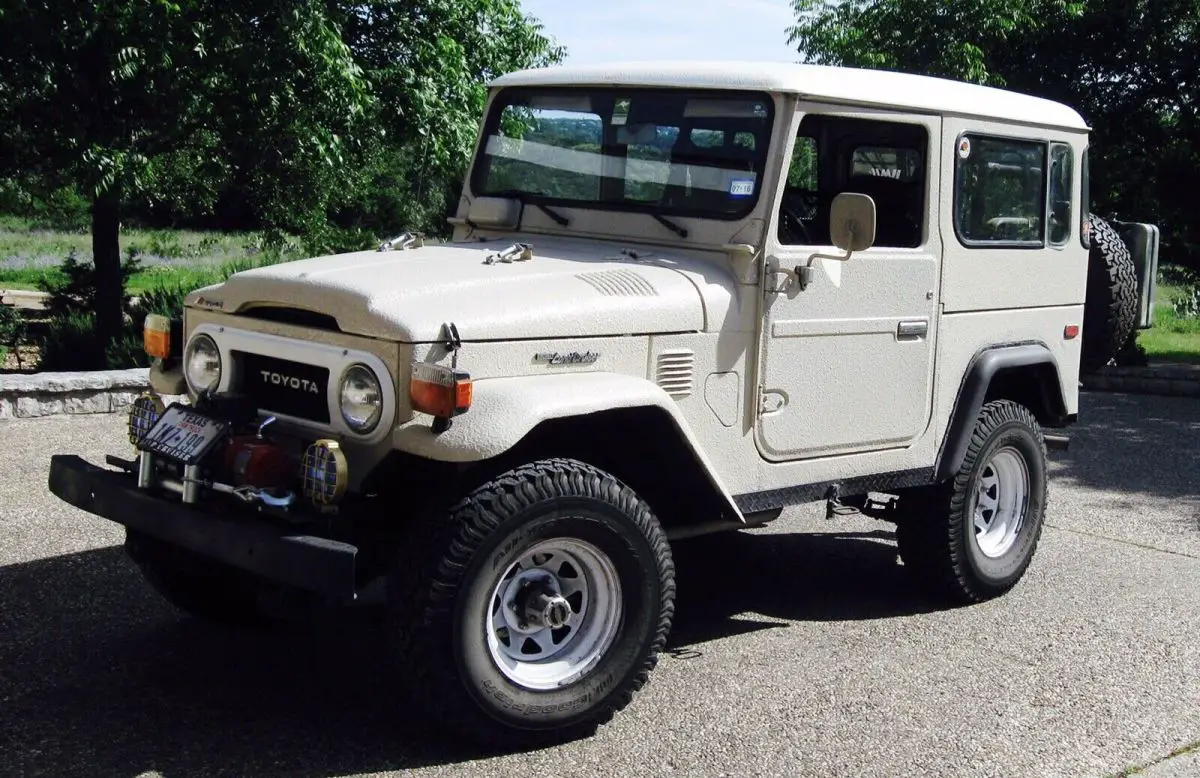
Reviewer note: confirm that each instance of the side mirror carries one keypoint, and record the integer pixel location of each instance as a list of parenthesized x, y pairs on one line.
[(852, 222), (852, 228)]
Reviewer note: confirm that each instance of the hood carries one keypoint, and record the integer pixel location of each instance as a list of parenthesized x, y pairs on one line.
[(568, 288)]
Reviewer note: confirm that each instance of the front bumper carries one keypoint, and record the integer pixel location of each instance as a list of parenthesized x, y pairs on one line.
[(275, 552)]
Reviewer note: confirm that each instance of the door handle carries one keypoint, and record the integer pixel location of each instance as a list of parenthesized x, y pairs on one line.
[(912, 329)]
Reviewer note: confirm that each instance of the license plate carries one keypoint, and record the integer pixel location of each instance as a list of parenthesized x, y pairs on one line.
[(183, 435)]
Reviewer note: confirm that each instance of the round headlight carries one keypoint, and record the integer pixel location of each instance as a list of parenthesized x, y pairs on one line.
[(361, 398), (202, 363)]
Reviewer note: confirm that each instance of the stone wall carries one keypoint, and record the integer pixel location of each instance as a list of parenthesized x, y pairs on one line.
[(49, 394), (1173, 380)]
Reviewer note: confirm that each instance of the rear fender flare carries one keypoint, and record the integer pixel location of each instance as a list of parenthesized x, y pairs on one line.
[(973, 393)]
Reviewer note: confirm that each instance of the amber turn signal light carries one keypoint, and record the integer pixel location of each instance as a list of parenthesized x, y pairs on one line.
[(439, 391), (156, 336)]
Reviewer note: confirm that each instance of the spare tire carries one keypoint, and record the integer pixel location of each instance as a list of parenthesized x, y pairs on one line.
[(1110, 310)]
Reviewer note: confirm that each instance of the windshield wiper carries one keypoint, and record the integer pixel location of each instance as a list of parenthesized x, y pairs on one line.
[(523, 199), (670, 225)]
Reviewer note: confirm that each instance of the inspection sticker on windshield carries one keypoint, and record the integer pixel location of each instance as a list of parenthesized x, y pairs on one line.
[(741, 187)]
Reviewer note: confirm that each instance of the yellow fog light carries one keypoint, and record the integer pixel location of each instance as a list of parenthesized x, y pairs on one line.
[(143, 415), (324, 472)]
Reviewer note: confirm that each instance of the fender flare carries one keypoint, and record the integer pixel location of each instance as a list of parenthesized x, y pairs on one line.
[(973, 391), (505, 410)]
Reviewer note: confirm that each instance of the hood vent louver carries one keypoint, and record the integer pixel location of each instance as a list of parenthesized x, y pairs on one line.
[(675, 372), (618, 283)]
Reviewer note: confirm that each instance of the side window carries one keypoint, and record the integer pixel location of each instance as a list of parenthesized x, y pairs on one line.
[(1060, 205), (886, 160), (1000, 191)]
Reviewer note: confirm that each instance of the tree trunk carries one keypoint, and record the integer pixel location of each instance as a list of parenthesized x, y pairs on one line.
[(106, 252)]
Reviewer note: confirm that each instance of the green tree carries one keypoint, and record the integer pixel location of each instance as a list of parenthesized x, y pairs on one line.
[(1131, 67), (118, 97), (429, 62)]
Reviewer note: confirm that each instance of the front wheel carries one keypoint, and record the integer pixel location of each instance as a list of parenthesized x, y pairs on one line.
[(546, 599), (973, 538)]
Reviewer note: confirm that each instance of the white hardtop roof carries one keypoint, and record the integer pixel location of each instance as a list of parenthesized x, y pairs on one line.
[(876, 88)]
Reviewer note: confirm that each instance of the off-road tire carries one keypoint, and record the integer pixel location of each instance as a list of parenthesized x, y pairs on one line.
[(1110, 309), (435, 606), (935, 530), (197, 586)]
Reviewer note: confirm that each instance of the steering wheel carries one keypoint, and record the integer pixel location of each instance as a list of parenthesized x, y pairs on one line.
[(808, 198)]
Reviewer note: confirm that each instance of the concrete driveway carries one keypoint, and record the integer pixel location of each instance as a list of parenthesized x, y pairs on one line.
[(800, 649)]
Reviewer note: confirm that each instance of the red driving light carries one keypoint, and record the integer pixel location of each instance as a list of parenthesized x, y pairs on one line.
[(1070, 332)]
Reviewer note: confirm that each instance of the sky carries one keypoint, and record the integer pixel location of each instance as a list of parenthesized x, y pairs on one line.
[(607, 30)]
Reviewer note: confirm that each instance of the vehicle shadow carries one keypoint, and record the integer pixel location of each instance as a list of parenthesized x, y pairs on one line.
[(726, 581), (99, 677)]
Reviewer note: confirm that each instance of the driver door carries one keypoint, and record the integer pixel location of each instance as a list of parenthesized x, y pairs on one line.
[(847, 363)]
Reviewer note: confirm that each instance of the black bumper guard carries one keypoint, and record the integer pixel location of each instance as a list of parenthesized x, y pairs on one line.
[(267, 549)]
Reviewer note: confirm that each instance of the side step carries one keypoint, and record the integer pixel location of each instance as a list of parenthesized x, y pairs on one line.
[(1057, 441)]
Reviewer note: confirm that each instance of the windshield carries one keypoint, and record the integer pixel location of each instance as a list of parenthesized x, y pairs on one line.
[(674, 151)]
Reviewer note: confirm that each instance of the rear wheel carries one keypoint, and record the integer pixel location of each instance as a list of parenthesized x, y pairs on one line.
[(200, 587), (547, 598), (973, 537)]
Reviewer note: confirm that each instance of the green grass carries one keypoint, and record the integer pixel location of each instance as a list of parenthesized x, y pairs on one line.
[(21, 240), (22, 278), (138, 283), (29, 254), (1172, 339)]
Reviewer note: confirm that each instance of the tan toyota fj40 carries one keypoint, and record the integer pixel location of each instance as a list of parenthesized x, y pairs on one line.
[(677, 300)]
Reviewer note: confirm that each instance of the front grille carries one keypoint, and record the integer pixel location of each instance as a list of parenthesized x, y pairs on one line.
[(284, 387)]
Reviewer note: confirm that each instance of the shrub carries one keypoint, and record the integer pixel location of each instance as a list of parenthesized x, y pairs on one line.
[(13, 332), (1187, 304), (70, 342), (73, 289)]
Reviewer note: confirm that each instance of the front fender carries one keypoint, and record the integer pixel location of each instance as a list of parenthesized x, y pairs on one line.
[(505, 410)]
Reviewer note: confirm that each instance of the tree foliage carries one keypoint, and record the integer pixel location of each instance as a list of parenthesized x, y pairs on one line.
[(333, 119), (1131, 67), (429, 62), (115, 96)]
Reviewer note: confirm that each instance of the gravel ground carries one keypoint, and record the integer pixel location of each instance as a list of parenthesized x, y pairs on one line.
[(798, 650)]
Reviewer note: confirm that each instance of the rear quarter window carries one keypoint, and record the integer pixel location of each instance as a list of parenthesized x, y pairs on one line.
[(1000, 192)]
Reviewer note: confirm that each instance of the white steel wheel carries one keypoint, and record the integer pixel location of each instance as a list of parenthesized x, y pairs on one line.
[(541, 608), (554, 613), (1000, 502), (972, 538)]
